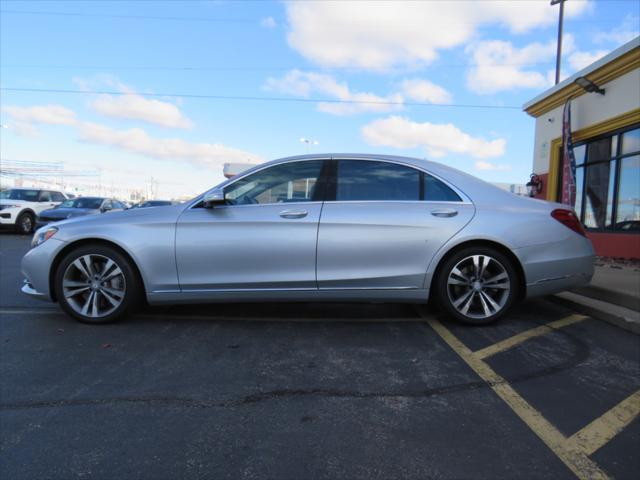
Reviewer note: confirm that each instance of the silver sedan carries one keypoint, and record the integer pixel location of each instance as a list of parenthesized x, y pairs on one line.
[(318, 228)]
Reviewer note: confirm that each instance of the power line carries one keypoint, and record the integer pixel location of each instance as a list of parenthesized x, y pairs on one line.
[(216, 19), (271, 68), (132, 17), (261, 99)]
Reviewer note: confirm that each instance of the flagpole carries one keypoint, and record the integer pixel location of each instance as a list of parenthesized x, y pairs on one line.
[(560, 27)]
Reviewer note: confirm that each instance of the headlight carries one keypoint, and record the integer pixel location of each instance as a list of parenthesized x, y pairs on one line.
[(42, 236), (2, 207)]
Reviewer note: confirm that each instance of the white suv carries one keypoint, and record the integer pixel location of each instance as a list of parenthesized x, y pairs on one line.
[(19, 207)]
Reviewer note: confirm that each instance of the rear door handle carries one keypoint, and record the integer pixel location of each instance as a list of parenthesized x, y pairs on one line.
[(444, 212), (293, 213)]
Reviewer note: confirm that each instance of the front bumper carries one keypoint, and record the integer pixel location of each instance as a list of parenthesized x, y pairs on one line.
[(36, 265), (8, 216), (28, 289)]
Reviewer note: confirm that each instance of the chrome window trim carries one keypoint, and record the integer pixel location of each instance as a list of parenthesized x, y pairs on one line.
[(465, 200), (251, 171), (283, 204), (421, 202), (461, 194)]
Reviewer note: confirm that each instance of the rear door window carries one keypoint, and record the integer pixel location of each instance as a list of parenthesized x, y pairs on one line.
[(437, 191), (368, 180), (45, 196), (57, 197)]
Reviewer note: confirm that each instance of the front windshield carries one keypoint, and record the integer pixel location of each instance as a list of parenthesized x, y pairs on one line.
[(17, 194), (66, 204), (91, 203)]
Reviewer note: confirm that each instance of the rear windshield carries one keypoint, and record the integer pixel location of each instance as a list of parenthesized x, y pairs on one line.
[(16, 194), (92, 203)]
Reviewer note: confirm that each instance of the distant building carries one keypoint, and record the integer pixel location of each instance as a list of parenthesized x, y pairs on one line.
[(606, 137), (516, 188), (232, 169)]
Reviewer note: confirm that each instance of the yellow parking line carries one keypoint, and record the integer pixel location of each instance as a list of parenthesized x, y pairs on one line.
[(604, 428), (524, 336), (571, 455)]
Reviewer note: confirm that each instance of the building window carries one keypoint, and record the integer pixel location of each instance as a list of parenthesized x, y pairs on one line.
[(608, 182)]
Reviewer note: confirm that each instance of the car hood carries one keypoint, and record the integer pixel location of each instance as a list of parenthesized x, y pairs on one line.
[(63, 213), (96, 225)]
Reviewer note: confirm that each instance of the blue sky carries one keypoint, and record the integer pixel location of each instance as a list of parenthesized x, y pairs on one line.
[(442, 55)]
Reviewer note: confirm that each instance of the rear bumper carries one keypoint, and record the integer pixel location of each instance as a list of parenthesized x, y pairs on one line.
[(553, 267)]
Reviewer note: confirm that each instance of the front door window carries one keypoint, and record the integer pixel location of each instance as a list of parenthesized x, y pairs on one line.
[(284, 183)]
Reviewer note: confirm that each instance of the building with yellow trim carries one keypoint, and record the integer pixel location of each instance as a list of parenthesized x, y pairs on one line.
[(606, 137)]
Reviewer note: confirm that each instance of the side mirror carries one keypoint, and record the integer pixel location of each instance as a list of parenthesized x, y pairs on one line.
[(105, 209), (213, 198)]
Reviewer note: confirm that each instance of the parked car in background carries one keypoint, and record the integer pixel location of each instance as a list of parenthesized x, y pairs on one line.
[(153, 203), (19, 207), (79, 207)]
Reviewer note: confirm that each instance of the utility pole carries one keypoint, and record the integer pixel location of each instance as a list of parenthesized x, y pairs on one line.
[(560, 25)]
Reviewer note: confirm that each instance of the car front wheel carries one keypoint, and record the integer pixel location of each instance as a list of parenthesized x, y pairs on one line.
[(477, 285), (96, 284), (25, 223)]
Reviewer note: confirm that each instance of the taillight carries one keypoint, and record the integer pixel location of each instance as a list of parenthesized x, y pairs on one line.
[(569, 219)]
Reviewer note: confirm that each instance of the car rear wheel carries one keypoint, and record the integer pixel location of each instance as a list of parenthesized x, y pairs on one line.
[(477, 285), (25, 223), (96, 284)]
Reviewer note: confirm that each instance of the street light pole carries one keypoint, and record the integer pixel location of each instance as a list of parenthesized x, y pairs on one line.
[(309, 142), (560, 25)]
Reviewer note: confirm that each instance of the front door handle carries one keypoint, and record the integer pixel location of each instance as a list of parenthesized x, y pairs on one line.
[(293, 213), (444, 212)]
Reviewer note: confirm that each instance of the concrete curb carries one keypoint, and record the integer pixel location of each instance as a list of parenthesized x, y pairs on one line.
[(610, 296), (622, 317)]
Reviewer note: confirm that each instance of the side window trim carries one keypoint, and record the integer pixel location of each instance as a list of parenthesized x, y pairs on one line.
[(197, 203), (330, 195)]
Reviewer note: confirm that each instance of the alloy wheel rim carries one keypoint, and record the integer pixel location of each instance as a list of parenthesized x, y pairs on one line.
[(94, 285), (478, 286), (26, 223)]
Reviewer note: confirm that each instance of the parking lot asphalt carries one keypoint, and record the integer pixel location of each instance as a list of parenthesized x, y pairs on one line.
[(304, 391)]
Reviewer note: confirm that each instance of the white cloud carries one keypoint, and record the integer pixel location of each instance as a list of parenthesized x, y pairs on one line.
[(136, 140), (580, 60), (438, 139), (482, 165), (268, 22), (136, 107), (425, 91), (44, 114), (132, 105), (499, 66), (304, 84), (627, 31), (379, 34)]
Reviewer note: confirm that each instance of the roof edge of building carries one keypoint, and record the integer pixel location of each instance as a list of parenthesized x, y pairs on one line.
[(613, 65)]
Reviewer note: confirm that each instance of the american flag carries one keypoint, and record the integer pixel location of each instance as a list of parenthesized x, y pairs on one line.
[(568, 159)]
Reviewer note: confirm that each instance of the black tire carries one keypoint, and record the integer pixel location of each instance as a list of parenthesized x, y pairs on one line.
[(479, 309), (131, 288), (25, 223)]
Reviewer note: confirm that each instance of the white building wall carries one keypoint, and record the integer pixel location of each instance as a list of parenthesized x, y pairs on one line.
[(621, 95)]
